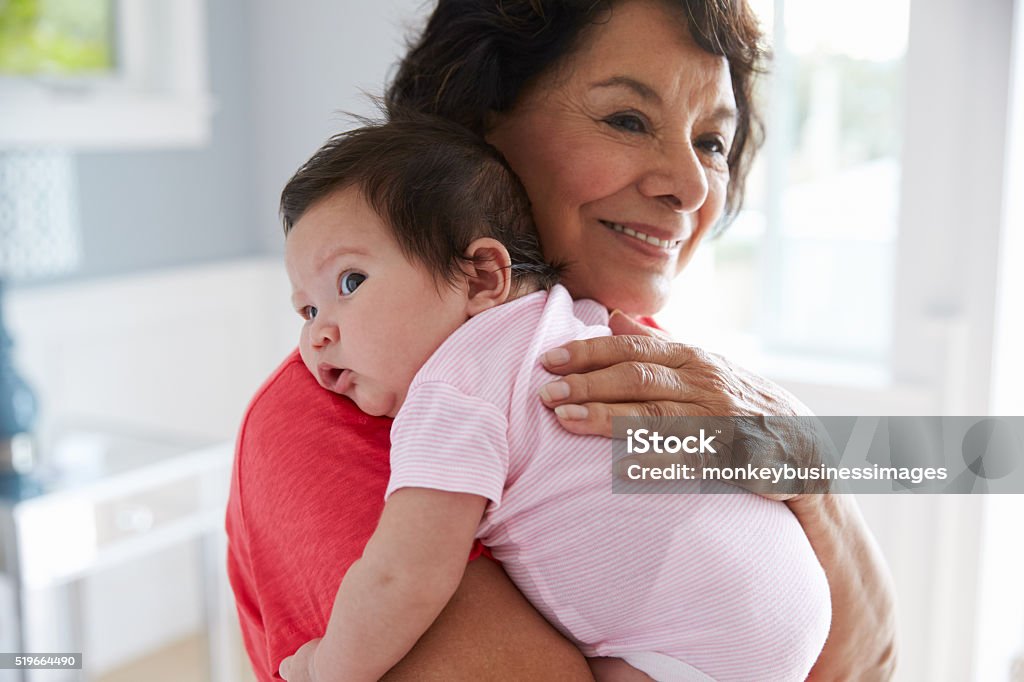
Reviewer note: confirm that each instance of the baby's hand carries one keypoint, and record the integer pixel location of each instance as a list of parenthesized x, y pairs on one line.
[(299, 666)]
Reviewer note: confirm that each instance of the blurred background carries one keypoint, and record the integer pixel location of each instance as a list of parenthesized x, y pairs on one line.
[(144, 143)]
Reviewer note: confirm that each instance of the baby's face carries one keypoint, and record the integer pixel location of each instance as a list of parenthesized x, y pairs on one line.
[(372, 317)]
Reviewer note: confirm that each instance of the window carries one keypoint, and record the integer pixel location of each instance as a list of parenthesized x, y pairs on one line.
[(102, 74), (866, 252), (811, 255), (65, 37)]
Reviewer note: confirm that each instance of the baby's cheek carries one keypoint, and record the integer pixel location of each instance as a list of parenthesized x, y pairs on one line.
[(305, 352)]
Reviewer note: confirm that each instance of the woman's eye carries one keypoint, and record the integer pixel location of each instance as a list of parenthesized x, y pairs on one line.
[(633, 123), (713, 145), (307, 312), (350, 281)]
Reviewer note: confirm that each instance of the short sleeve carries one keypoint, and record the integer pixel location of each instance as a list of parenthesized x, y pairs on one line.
[(447, 440)]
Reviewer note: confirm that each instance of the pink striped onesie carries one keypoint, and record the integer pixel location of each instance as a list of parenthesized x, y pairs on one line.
[(683, 587)]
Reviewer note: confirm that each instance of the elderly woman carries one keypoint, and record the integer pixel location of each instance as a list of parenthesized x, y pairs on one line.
[(631, 126)]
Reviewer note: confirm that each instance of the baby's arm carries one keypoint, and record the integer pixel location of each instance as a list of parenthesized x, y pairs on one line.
[(411, 567)]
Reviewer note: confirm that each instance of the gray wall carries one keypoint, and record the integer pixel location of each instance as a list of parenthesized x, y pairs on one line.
[(280, 74), (140, 210), (310, 60)]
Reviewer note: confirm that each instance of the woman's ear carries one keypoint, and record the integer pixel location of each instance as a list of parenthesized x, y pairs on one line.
[(488, 270)]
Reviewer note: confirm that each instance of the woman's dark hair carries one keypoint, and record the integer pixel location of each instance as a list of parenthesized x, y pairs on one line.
[(435, 184), (475, 57)]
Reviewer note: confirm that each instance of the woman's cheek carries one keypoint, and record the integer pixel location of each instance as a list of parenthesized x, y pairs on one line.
[(717, 190)]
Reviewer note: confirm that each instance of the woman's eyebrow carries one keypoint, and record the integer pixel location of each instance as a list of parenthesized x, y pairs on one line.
[(724, 114), (645, 91)]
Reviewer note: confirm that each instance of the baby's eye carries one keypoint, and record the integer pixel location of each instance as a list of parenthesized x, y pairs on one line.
[(307, 312), (350, 281), (628, 121)]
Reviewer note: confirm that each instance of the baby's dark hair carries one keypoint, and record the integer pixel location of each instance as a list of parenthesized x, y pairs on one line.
[(436, 185)]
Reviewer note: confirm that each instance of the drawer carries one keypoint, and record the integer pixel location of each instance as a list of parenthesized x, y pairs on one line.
[(91, 519), (127, 517)]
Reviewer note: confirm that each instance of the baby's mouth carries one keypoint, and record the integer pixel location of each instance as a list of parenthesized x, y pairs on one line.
[(641, 236), (332, 378)]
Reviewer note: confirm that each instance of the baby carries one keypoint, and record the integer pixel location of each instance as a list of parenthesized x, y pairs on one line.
[(415, 265)]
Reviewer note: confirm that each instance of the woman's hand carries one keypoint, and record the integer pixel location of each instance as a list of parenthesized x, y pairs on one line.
[(639, 373), (299, 666)]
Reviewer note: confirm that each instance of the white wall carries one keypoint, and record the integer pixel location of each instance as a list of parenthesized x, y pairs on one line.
[(957, 75), (1000, 636), (176, 350)]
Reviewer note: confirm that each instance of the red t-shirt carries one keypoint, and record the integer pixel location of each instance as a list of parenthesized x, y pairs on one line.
[(306, 494)]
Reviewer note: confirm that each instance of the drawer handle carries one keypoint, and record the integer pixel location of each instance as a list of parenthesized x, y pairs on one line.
[(135, 518)]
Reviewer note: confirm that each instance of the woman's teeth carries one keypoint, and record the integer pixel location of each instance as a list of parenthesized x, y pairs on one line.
[(636, 234)]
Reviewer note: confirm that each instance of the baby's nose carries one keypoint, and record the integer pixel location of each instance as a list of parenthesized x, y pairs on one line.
[(324, 332)]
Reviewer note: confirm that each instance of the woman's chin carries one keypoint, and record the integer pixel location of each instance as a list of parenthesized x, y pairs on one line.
[(634, 301)]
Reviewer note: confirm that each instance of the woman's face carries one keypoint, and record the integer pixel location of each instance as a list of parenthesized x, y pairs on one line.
[(623, 152)]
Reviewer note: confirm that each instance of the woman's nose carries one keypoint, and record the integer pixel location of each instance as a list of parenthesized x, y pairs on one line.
[(677, 177)]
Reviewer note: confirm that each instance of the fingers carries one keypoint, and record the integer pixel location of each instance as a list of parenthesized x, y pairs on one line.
[(604, 351), (595, 419), (632, 381)]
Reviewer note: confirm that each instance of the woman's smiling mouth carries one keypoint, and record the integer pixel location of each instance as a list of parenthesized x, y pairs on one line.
[(642, 236)]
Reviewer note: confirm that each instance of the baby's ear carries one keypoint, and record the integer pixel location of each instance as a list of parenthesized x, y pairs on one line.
[(489, 274)]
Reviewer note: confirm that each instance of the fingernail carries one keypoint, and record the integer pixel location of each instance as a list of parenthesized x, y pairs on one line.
[(556, 357), (571, 413), (556, 390)]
